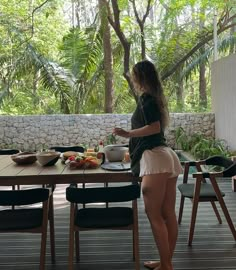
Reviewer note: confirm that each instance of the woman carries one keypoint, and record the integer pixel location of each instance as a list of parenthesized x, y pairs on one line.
[(154, 161)]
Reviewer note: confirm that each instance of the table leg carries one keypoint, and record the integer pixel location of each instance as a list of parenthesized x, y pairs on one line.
[(233, 158), (234, 183)]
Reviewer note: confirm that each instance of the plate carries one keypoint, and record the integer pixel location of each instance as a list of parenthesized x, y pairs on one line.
[(118, 145), (116, 166)]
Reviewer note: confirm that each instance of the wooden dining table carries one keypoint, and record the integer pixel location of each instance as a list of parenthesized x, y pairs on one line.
[(60, 173)]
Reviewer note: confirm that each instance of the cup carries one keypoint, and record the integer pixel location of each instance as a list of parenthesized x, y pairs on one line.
[(127, 157)]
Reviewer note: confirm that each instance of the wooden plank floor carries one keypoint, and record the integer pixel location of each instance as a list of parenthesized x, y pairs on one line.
[(213, 247)]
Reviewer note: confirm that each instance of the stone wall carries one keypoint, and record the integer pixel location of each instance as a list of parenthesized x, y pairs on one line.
[(36, 132)]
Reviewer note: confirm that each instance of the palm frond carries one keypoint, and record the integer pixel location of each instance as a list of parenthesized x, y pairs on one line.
[(81, 50), (83, 55), (52, 76), (194, 63), (223, 46)]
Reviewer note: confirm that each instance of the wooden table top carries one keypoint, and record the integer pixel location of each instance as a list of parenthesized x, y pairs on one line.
[(34, 174)]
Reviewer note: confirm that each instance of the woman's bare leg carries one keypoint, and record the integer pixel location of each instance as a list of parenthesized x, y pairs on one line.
[(169, 213), (155, 187), (170, 219), (159, 193)]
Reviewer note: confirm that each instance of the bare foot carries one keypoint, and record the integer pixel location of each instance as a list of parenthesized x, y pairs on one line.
[(152, 265)]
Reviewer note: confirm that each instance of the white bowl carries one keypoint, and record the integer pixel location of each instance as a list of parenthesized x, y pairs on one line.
[(115, 153), (48, 158)]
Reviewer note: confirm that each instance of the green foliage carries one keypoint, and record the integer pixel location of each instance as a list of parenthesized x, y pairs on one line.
[(123, 4), (110, 139), (200, 146), (46, 61), (29, 35), (82, 54)]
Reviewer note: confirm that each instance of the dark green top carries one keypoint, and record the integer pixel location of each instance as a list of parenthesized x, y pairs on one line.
[(146, 112)]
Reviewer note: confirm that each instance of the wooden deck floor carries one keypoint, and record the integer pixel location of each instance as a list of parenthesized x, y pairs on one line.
[(213, 247)]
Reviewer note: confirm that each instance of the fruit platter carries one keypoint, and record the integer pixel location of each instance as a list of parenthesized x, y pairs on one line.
[(82, 161)]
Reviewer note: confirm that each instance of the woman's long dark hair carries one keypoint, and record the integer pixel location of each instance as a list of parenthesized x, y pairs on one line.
[(147, 77)]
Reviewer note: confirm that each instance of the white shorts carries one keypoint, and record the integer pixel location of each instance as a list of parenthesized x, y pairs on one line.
[(161, 159)]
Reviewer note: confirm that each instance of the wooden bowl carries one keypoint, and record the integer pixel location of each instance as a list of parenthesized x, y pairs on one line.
[(24, 158)]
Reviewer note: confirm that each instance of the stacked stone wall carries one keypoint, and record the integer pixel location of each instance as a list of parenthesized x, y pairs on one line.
[(36, 132)]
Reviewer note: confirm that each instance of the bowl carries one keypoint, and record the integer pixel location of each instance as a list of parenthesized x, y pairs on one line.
[(24, 158), (48, 158), (115, 153)]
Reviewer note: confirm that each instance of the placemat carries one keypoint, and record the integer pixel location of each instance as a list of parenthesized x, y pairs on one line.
[(116, 166)]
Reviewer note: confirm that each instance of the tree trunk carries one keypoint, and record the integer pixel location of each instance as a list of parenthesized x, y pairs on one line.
[(77, 14), (114, 20), (35, 86), (179, 89), (115, 23), (141, 22), (232, 48), (108, 60), (64, 105), (30, 6), (202, 70), (202, 84)]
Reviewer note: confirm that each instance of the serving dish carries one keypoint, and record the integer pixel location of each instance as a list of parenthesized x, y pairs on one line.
[(82, 161), (115, 153), (24, 158), (48, 158)]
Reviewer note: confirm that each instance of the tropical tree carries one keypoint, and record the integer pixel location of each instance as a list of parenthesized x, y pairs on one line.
[(108, 57), (25, 61), (177, 43), (66, 66)]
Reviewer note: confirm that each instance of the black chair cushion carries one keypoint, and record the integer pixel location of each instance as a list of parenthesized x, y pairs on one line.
[(219, 161), (23, 197), (20, 219), (187, 190), (103, 194), (63, 149), (9, 151), (230, 171), (104, 217)]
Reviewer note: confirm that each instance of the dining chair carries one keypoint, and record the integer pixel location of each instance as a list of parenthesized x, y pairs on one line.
[(115, 217), (31, 217), (203, 187), (62, 149), (10, 152)]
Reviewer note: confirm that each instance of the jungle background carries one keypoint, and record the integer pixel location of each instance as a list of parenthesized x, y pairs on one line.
[(75, 56)]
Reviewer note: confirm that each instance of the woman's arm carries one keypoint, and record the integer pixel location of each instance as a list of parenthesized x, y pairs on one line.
[(147, 130)]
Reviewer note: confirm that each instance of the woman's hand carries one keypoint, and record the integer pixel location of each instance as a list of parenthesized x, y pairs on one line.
[(153, 128), (121, 132)]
